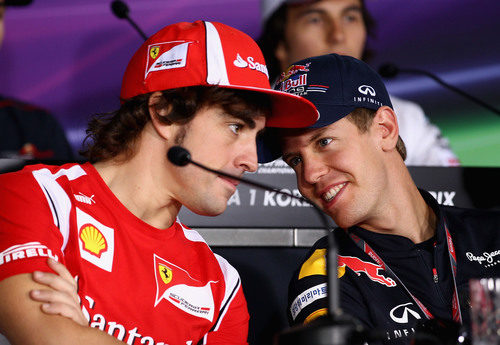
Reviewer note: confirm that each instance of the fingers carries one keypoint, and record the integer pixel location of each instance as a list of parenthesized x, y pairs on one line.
[(62, 297), (57, 303), (60, 269), (62, 281)]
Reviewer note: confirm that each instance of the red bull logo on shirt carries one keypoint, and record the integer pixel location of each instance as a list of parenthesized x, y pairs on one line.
[(373, 271)]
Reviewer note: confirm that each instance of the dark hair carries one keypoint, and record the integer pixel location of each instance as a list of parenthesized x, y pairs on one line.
[(363, 118), (273, 32), (115, 133)]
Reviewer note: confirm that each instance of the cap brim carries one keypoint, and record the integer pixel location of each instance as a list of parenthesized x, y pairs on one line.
[(332, 113), (269, 146), (288, 110)]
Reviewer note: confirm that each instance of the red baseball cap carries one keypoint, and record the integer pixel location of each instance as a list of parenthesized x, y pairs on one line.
[(210, 53)]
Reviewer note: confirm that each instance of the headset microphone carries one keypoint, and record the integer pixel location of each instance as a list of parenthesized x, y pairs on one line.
[(179, 156)]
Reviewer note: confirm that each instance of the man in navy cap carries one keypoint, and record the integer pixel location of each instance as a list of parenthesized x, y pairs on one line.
[(403, 258)]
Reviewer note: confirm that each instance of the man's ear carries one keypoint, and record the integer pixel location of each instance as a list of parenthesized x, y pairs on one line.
[(385, 124), (156, 113)]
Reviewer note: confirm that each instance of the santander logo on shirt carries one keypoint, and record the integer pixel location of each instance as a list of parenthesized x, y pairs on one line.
[(175, 285)]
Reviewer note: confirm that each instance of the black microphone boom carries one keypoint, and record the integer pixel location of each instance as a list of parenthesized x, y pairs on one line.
[(390, 70), (121, 10)]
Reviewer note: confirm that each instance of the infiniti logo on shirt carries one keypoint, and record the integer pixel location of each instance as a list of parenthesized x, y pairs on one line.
[(400, 313)]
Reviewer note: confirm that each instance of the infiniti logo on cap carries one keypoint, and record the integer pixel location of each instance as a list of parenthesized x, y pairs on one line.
[(367, 89)]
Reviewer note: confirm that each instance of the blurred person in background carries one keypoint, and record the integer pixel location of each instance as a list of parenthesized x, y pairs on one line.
[(296, 29), (27, 131)]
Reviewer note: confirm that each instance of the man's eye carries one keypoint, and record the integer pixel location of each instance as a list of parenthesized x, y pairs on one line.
[(294, 161), (235, 127), (353, 17), (314, 19), (324, 141)]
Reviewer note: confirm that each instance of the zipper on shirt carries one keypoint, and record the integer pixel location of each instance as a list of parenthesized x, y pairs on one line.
[(434, 270)]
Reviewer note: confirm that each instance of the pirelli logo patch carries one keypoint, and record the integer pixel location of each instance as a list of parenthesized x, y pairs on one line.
[(26, 251)]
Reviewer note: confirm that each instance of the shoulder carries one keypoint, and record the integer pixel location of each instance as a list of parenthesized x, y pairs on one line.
[(35, 183), (21, 181), (204, 252), (472, 219)]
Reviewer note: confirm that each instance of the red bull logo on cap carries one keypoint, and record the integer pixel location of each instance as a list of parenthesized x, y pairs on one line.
[(370, 269), (293, 83), (293, 69)]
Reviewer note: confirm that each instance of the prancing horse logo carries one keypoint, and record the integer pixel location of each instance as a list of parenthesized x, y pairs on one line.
[(153, 52), (165, 273)]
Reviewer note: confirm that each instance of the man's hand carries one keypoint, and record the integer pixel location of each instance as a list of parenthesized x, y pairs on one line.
[(62, 299)]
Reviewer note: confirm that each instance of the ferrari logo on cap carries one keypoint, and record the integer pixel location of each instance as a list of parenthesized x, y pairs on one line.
[(165, 273), (153, 52)]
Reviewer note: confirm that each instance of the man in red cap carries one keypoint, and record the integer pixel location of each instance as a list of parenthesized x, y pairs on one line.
[(141, 275)]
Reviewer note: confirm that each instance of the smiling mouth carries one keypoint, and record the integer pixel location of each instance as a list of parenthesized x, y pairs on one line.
[(332, 192)]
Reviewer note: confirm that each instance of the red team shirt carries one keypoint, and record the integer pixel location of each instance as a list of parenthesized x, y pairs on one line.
[(136, 282)]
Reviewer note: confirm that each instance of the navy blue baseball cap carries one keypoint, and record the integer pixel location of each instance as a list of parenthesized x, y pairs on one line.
[(335, 84)]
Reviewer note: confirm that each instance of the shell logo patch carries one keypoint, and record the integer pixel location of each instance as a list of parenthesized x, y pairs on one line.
[(165, 273), (93, 240)]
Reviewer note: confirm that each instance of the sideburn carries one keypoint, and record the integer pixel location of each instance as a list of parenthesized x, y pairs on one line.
[(181, 135)]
